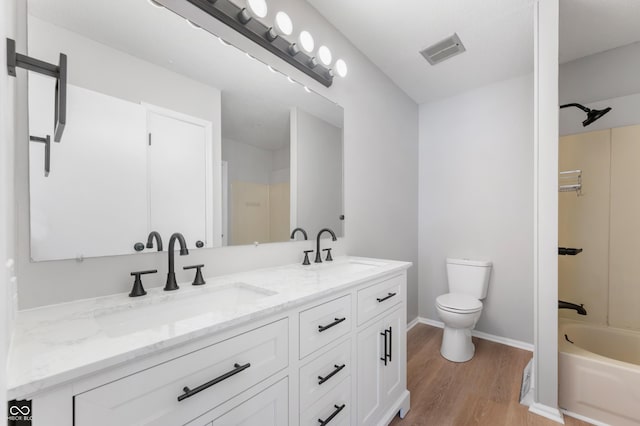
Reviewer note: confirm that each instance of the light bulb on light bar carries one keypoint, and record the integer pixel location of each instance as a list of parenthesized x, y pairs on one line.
[(341, 68), (224, 43), (155, 4), (325, 55), (290, 80), (271, 69), (306, 41), (284, 25), (306, 89), (258, 8)]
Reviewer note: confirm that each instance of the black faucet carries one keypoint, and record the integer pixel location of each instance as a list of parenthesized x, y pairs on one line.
[(322, 231), (304, 233), (171, 276), (156, 235), (578, 308)]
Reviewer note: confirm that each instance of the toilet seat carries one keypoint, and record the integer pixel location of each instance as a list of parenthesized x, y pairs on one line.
[(459, 303)]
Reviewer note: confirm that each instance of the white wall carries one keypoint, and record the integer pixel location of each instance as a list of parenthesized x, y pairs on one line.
[(381, 149), (101, 68), (7, 197), (318, 173), (247, 163), (606, 79), (609, 74), (476, 175)]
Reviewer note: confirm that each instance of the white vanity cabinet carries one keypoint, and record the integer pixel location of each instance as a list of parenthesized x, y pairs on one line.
[(338, 358), (381, 349)]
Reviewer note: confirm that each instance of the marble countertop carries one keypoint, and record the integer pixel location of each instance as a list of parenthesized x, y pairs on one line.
[(55, 344)]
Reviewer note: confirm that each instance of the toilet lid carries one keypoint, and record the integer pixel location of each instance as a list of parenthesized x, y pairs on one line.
[(459, 302)]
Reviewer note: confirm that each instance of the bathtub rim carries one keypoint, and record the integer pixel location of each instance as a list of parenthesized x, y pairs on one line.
[(573, 349)]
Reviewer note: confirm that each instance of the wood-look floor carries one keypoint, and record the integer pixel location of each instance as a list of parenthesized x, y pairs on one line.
[(483, 391)]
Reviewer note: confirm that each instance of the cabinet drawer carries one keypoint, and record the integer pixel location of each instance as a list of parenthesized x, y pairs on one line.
[(333, 409), (268, 408), (379, 297), (212, 374), (324, 323), (323, 374)]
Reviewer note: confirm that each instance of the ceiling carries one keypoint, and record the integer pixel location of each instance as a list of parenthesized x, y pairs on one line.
[(592, 26), (498, 36), (255, 121), (255, 100)]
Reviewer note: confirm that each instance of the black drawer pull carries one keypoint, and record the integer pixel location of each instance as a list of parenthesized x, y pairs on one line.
[(321, 379), (335, 413), (190, 392), (386, 297), (337, 321), (390, 342)]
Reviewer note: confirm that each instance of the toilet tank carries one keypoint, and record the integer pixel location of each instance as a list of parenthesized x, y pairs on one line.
[(469, 276)]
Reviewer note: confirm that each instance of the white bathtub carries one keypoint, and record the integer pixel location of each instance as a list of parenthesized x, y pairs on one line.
[(599, 373)]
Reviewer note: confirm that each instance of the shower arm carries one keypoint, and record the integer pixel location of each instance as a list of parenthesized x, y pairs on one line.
[(583, 108)]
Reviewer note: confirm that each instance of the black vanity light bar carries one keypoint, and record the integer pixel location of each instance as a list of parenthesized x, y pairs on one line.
[(232, 16), (59, 72)]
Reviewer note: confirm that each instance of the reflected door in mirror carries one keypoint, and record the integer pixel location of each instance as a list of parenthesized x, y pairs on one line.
[(179, 161)]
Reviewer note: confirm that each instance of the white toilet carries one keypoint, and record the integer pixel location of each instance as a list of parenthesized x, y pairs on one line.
[(460, 309)]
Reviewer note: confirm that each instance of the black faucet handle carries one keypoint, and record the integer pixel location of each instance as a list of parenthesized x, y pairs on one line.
[(198, 280), (306, 257), (328, 258), (138, 289), (148, 271)]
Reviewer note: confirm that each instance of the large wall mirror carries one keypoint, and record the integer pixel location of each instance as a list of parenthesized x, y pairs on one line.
[(170, 130)]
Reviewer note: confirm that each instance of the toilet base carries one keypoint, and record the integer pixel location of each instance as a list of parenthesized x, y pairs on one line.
[(457, 345)]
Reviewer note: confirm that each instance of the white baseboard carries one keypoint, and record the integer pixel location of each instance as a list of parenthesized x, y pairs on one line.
[(583, 418), (481, 335), (546, 411), (413, 323)]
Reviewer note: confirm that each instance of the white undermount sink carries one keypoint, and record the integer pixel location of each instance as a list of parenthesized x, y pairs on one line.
[(178, 307)]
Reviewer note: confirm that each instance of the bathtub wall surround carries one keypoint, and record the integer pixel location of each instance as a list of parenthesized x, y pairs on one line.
[(602, 221), (294, 336), (372, 117)]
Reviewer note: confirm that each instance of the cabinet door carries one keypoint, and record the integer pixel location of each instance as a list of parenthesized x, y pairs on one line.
[(268, 408), (393, 373), (381, 366), (369, 378)]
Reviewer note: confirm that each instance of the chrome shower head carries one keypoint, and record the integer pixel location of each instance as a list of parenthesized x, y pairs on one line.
[(592, 114)]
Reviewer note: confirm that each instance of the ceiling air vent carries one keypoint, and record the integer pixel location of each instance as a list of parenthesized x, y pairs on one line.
[(445, 49)]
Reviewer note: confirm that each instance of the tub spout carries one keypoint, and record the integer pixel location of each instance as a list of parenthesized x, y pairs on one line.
[(578, 308)]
